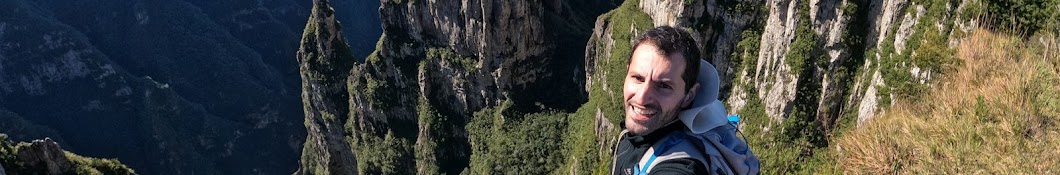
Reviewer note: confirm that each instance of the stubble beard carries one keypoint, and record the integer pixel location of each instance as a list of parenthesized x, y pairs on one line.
[(659, 120)]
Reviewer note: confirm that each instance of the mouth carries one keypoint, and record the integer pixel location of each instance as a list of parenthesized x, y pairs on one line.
[(643, 114)]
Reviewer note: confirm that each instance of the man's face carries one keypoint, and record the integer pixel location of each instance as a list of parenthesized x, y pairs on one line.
[(654, 90)]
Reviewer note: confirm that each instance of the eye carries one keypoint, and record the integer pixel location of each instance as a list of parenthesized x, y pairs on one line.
[(638, 78), (665, 86)]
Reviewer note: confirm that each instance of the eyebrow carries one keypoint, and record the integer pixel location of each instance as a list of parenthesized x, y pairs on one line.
[(661, 80)]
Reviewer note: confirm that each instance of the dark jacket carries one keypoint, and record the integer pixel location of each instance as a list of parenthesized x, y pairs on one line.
[(632, 147)]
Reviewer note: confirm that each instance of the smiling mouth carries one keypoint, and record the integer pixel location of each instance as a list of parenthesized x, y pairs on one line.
[(644, 112)]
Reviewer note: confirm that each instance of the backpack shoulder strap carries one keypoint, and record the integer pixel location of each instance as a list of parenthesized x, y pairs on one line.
[(719, 153), (674, 146)]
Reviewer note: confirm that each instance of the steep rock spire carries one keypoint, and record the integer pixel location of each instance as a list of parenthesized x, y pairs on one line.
[(324, 62)]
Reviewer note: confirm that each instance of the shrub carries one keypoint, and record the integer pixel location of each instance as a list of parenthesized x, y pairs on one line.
[(1024, 16), (533, 145)]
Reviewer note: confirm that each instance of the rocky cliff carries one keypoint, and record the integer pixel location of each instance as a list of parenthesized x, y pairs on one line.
[(456, 73), (324, 62), (436, 64), (47, 157)]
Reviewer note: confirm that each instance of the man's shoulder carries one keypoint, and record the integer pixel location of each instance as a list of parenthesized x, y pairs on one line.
[(681, 155)]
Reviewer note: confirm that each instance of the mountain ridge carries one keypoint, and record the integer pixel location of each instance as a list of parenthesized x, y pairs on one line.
[(175, 87)]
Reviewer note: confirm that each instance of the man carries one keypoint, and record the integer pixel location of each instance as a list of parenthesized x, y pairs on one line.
[(672, 124)]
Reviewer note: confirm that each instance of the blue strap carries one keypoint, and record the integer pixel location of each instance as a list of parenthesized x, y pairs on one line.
[(734, 120), (671, 140)]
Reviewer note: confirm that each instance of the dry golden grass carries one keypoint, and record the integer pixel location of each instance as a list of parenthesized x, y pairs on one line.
[(998, 112)]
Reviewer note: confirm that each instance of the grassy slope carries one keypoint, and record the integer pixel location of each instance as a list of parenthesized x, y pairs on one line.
[(996, 113)]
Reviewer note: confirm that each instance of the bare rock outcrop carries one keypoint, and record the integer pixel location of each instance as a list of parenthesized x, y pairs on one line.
[(46, 154)]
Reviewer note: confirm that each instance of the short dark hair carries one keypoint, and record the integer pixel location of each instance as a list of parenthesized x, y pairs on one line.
[(671, 40)]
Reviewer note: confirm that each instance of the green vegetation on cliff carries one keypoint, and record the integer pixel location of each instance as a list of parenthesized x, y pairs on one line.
[(422, 102), (924, 56), (1024, 17), (531, 144), (792, 144), (600, 116), (15, 163)]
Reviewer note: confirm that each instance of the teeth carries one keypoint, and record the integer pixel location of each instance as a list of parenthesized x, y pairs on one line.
[(643, 111)]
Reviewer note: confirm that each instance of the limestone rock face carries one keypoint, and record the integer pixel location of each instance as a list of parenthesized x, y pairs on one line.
[(511, 45), (774, 79), (848, 37), (890, 25), (324, 62), (46, 154), (884, 15)]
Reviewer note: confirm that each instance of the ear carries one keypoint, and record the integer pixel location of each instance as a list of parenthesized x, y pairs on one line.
[(691, 96)]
